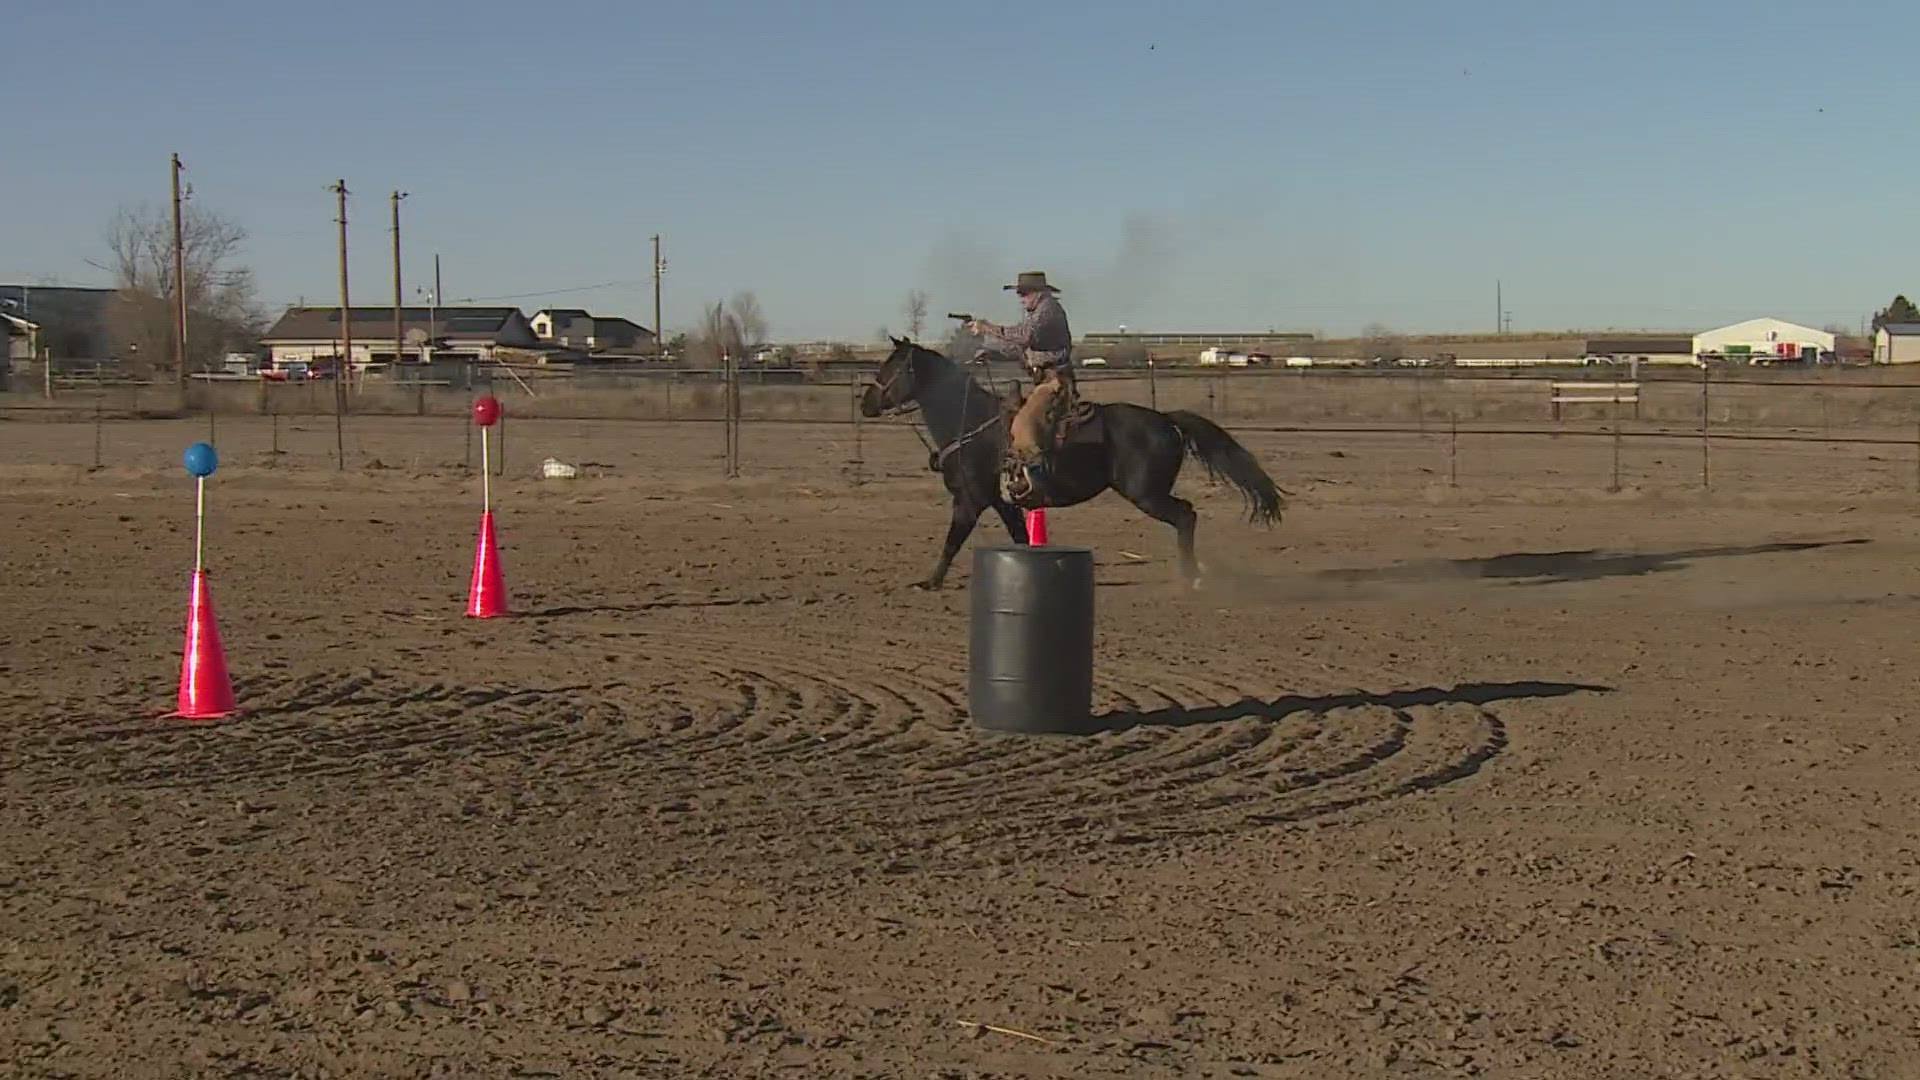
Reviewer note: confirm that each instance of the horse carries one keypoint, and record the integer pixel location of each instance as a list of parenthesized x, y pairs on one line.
[(1130, 448)]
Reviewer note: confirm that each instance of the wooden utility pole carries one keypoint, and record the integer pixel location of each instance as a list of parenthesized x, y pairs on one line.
[(179, 285), (345, 364), (397, 341), (659, 331)]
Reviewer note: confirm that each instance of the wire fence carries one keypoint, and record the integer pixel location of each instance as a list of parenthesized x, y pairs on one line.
[(1710, 410)]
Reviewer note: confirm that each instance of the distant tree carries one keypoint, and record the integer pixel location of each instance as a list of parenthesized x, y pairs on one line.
[(916, 310), (750, 320), (842, 353), (223, 312), (1382, 343), (730, 328), (1902, 310)]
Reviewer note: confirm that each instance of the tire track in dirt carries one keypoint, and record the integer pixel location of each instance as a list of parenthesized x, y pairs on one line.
[(820, 736), (309, 726), (887, 747)]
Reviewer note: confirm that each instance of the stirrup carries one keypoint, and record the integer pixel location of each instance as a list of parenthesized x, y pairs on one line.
[(1029, 485)]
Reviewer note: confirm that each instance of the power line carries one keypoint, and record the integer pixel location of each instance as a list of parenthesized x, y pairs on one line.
[(552, 292)]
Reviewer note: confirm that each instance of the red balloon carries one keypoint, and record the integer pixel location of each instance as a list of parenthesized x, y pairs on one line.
[(486, 411)]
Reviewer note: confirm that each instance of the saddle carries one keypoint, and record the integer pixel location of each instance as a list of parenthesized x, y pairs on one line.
[(1071, 421), (1078, 422), (1081, 422)]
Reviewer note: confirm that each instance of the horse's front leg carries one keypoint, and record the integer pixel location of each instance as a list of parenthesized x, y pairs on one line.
[(1012, 518), (966, 513)]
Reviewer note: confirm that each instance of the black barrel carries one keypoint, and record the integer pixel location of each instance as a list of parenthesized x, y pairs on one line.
[(1030, 648)]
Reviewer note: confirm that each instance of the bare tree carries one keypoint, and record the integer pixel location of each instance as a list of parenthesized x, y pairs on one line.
[(223, 312), (1381, 343), (916, 310), (729, 328), (751, 321)]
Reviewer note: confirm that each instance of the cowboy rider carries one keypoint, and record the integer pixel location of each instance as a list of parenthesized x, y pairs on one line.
[(1044, 344)]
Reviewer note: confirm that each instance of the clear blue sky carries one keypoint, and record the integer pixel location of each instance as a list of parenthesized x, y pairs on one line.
[(1192, 166)]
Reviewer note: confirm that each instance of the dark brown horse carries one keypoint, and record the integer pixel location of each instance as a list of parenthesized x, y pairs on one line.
[(1134, 450)]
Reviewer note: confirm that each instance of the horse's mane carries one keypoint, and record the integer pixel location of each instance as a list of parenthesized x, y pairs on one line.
[(945, 367)]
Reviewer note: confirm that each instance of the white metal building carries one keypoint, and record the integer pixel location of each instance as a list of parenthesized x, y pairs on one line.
[(1897, 343), (1755, 338)]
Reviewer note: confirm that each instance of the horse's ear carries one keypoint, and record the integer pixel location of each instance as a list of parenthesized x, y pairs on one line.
[(897, 341)]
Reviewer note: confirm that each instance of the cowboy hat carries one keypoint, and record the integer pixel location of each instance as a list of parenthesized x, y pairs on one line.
[(1031, 281)]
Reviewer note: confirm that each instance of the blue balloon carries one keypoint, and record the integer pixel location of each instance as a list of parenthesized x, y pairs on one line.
[(201, 460)]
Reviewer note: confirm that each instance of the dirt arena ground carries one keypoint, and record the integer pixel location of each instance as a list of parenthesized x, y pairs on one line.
[(1517, 779)]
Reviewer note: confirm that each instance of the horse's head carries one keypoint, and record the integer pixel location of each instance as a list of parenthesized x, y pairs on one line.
[(901, 378)]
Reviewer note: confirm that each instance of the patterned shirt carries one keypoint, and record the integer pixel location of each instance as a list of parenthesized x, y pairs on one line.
[(1043, 336)]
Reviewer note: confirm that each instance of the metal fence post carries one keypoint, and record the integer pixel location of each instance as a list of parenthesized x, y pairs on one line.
[(1706, 429), (859, 439), (1453, 449)]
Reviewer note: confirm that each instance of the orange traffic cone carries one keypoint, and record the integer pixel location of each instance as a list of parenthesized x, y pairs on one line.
[(1037, 527), (487, 594), (206, 693)]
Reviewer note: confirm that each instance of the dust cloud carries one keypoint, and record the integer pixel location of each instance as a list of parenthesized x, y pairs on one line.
[(964, 272)]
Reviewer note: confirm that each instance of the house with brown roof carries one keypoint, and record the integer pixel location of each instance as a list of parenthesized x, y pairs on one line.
[(306, 335)]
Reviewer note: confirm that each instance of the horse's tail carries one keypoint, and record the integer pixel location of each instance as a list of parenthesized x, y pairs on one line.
[(1227, 459)]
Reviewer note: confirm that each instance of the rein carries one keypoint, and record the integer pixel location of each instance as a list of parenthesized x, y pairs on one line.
[(937, 455)]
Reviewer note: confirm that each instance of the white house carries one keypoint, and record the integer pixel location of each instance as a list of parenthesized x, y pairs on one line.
[(1897, 343), (1773, 338), (568, 327), (22, 338), (309, 334), (574, 328)]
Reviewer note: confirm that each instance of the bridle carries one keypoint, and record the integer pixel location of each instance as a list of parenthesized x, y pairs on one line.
[(937, 455), (883, 388)]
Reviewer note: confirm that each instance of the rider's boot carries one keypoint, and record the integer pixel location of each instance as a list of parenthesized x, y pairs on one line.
[(1039, 483), (1029, 480)]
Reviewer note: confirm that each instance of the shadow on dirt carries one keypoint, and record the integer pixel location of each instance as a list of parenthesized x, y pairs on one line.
[(1553, 567), (1280, 708), (651, 605)]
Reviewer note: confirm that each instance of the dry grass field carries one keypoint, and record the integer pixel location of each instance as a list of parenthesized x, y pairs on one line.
[(1519, 777)]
